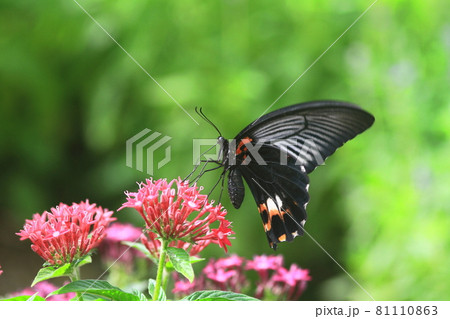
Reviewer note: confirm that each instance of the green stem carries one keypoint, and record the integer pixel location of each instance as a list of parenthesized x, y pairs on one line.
[(74, 277), (165, 280), (161, 266)]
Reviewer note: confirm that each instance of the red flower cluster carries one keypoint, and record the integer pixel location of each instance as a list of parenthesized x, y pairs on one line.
[(67, 232), (275, 281), (181, 214)]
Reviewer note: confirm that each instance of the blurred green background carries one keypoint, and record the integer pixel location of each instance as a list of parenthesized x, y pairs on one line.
[(70, 98)]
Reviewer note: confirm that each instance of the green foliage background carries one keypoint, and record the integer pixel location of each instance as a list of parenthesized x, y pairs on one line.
[(70, 98)]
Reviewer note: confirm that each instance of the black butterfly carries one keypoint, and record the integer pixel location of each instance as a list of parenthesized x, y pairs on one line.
[(275, 154)]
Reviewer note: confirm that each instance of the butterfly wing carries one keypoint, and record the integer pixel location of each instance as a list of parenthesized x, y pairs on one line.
[(310, 131), (281, 194), (275, 153)]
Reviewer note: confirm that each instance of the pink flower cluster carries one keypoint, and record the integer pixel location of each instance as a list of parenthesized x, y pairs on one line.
[(276, 279), (67, 232), (223, 274), (111, 248), (274, 282), (180, 214)]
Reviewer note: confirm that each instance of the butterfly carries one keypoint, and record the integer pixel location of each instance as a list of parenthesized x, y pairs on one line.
[(275, 153)]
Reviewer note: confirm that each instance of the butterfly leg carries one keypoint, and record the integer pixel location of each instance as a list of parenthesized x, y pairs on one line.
[(221, 178), (203, 170), (204, 165), (223, 182)]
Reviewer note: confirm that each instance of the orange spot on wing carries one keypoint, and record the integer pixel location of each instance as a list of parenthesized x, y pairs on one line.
[(241, 146), (274, 212), (282, 238), (262, 207)]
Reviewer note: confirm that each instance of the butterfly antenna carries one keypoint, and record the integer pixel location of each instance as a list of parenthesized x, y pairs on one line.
[(199, 111)]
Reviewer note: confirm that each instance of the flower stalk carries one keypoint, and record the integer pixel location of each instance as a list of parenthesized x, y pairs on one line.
[(161, 267), (75, 276)]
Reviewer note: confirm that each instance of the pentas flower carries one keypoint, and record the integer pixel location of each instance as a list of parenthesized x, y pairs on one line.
[(183, 287), (112, 248), (223, 278), (222, 274), (1, 271), (292, 276), (263, 264), (290, 283), (232, 262), (176, 211), (274, 282), (227, 273), (276, 279), (66, 232)]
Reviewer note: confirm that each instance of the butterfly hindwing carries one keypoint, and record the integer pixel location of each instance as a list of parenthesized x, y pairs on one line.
[(281, 194)]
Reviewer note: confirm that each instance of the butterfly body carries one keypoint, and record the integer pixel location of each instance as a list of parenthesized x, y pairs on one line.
[(275, 154)]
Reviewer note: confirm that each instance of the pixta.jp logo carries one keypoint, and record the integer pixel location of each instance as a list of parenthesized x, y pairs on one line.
[(143, 145)]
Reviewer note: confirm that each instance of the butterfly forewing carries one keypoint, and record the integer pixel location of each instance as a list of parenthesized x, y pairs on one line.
[(310, 132)]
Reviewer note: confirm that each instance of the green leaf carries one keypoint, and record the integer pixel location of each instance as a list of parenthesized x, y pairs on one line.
[(99, 288), (82, 261), (140, 295), (64, 270), (90, 297), (181, 262), (34, 297), (142, 249), (52, 272), (151, 289), (218, 295), (192, 260)]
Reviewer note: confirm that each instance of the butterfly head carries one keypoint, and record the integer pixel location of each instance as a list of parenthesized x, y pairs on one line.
[(223, 142), (224, 147)]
